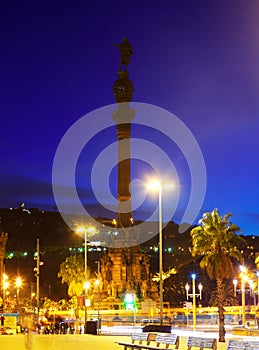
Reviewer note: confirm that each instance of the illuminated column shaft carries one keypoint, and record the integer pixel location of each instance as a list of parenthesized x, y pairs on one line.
[(124, 195), (123, 90)]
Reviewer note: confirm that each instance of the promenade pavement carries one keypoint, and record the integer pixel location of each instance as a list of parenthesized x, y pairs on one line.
[(87, 341)]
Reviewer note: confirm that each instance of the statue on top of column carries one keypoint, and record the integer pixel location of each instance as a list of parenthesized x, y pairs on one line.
[(125, 53)]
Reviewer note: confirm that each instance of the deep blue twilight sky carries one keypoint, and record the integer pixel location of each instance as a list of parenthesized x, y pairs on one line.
[(196, 59)]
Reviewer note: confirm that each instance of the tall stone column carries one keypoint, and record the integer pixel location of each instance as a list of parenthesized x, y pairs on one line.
[(123, 90), (123, 116)]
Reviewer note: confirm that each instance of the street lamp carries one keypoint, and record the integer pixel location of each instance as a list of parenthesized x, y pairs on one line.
[(98, 291), (193, 295), (18, 284), (252, 294), (5, 287), (37, 275), (244, 279), (157, 185), (257, 274), (243, 298), (85, 231)]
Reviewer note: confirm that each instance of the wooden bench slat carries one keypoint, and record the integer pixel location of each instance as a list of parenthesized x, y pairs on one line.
[(252, 344), (202, 343), (237, 344), (159, 339), (170, 339), (167, 339), (140, 337)]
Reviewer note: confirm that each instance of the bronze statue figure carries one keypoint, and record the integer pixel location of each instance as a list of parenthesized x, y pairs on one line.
[(125, 53)]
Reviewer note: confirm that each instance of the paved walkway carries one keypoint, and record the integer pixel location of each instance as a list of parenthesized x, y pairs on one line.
[(86, 341)]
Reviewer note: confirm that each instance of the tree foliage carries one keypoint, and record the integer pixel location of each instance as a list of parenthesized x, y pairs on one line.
[(215, 241), (165, 274), (71, 271)]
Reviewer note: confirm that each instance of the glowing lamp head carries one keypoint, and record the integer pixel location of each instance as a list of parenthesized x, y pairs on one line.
[(80, 229), (129, 298), (18, 282), (83, 229), (153, 185), (86, 285), (193, 276), (242, 268)]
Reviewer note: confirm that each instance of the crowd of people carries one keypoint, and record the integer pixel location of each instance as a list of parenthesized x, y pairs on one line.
[(57, 328)]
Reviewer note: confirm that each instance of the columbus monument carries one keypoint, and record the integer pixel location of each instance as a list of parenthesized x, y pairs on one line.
[(125, 269)]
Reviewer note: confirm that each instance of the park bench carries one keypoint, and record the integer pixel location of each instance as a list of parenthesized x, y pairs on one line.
[(164, 341), (202, 343), (241, 344), (137, 340), (161, 341)]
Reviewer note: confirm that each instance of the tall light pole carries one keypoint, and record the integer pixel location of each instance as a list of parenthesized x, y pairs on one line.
[(5, 287), (257, 274), (193, 295), (243, 292), (244, 279), (86, 239), (18, 284), (98, 291), (157, 185), (85, 230), (38, 278), (86, 282), (243, 301), (160, 253), (252, 294)]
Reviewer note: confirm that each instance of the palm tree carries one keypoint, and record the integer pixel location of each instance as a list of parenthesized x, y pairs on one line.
[(72, 273), (216, 242)]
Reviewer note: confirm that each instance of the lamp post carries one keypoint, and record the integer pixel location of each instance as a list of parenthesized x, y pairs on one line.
[(243, 301), (18, 284), (244, 279), (98, 291), (193, 295), (257, 274), (243, 292), (85, 231), (5, 287), (252, 294), (37, 275), (157, 185), (160, 254), (85, 284)]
